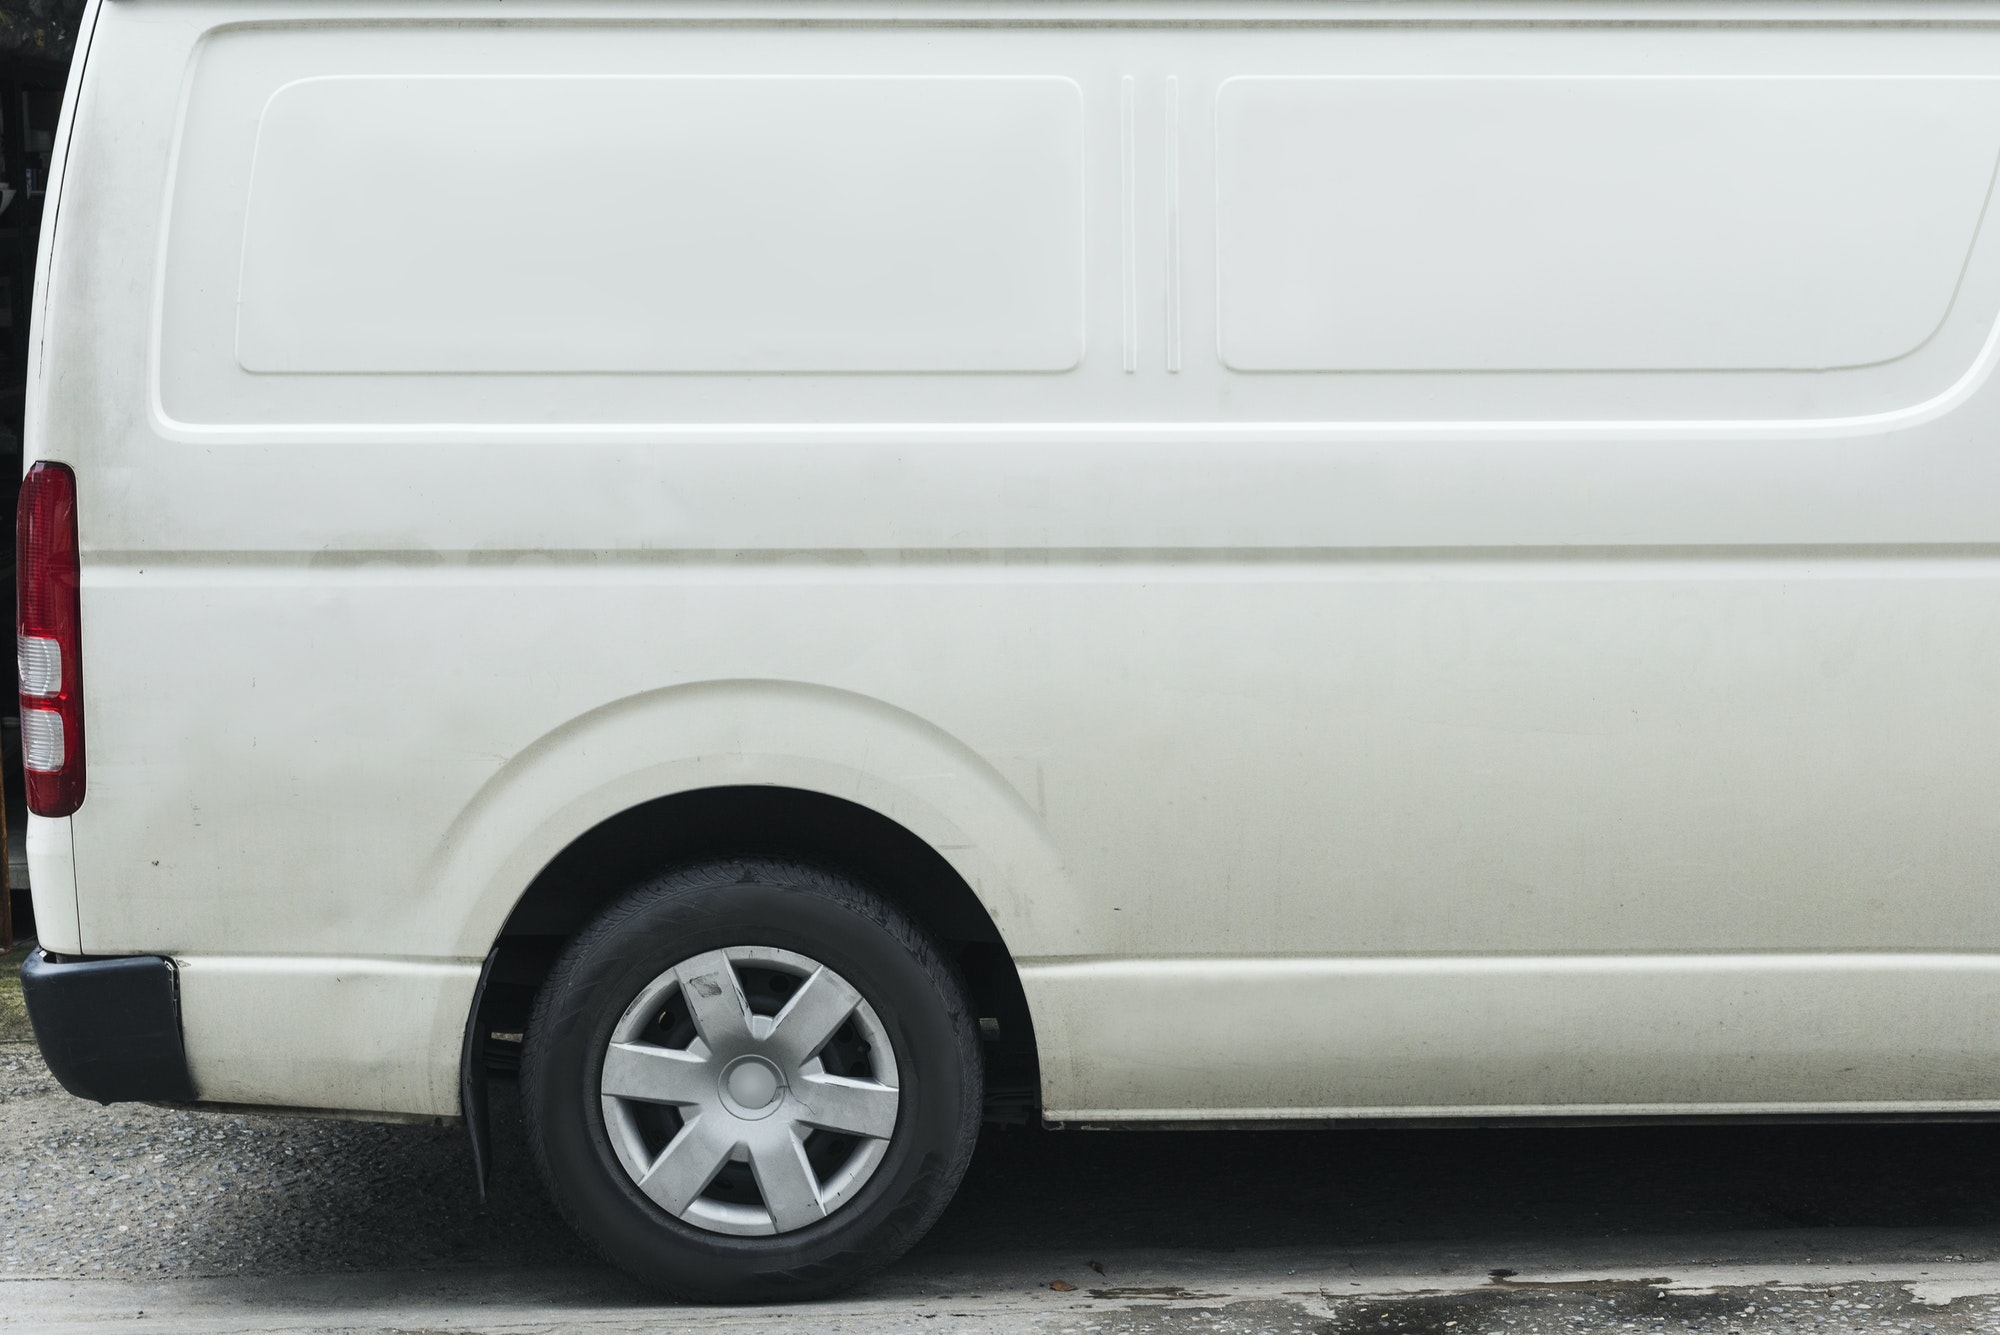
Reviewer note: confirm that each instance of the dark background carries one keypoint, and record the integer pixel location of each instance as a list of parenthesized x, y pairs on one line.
[(36, 40)]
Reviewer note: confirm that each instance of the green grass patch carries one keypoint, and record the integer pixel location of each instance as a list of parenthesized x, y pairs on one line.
[(13, 1015)]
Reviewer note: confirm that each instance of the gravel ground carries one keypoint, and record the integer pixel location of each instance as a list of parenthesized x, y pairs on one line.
[(133, 1190), (139, 1191), (13, 1015)]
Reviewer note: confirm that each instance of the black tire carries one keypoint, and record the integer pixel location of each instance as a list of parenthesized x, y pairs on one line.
[(753, 902)]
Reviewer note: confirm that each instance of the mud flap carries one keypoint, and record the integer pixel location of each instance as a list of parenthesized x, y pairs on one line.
[(472, 1095)]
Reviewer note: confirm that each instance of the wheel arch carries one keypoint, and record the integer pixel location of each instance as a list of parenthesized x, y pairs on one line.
[(722, 768)]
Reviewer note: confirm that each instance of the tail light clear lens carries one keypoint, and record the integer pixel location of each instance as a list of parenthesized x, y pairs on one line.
[(48, 640)]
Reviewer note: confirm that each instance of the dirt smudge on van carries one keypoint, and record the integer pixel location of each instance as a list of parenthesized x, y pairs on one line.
[(354, 558)]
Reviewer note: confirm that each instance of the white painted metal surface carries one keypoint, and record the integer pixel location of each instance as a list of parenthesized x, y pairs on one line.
[(1436, 564), (747, 225), (1593, 223)]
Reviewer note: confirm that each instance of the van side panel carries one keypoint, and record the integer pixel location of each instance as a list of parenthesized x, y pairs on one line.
[(1445, 566), (1824, 225), (376, 1034), (1623, 1035), (842, 178), (1339, 223)]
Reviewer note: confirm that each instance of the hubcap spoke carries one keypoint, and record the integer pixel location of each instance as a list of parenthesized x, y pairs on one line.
[(821, 1005), (690, 1162), (714, 998), (791, 1191), (656, 1075), (854, 1107), (784, 1053)]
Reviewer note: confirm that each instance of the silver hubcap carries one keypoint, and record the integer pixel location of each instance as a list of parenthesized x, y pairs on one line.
[(750, 1090)]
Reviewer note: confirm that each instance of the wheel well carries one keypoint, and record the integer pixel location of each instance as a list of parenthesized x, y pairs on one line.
[(634, 845)]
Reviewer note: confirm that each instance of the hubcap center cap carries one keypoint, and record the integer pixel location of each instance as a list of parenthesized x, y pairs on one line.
[(750, 1086)]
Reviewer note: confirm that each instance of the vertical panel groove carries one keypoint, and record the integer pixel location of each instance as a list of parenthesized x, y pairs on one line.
[(1173, 183), (1129, 234)]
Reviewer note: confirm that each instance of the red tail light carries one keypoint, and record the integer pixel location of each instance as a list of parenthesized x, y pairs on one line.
[(49, 640)]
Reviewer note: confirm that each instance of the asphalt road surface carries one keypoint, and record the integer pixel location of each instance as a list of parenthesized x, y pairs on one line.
[(136, 1218)]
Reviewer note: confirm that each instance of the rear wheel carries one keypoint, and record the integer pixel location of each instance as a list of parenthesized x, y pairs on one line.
[(751, 1080)]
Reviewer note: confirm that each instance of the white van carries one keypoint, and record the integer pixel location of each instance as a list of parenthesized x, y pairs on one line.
[(813, 571)]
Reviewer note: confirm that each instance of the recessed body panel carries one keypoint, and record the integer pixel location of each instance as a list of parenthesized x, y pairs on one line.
[(1141, 226), (1594, 223), (752, 225)]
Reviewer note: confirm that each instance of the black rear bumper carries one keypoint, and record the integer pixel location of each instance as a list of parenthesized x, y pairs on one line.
[(109, 1029)]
